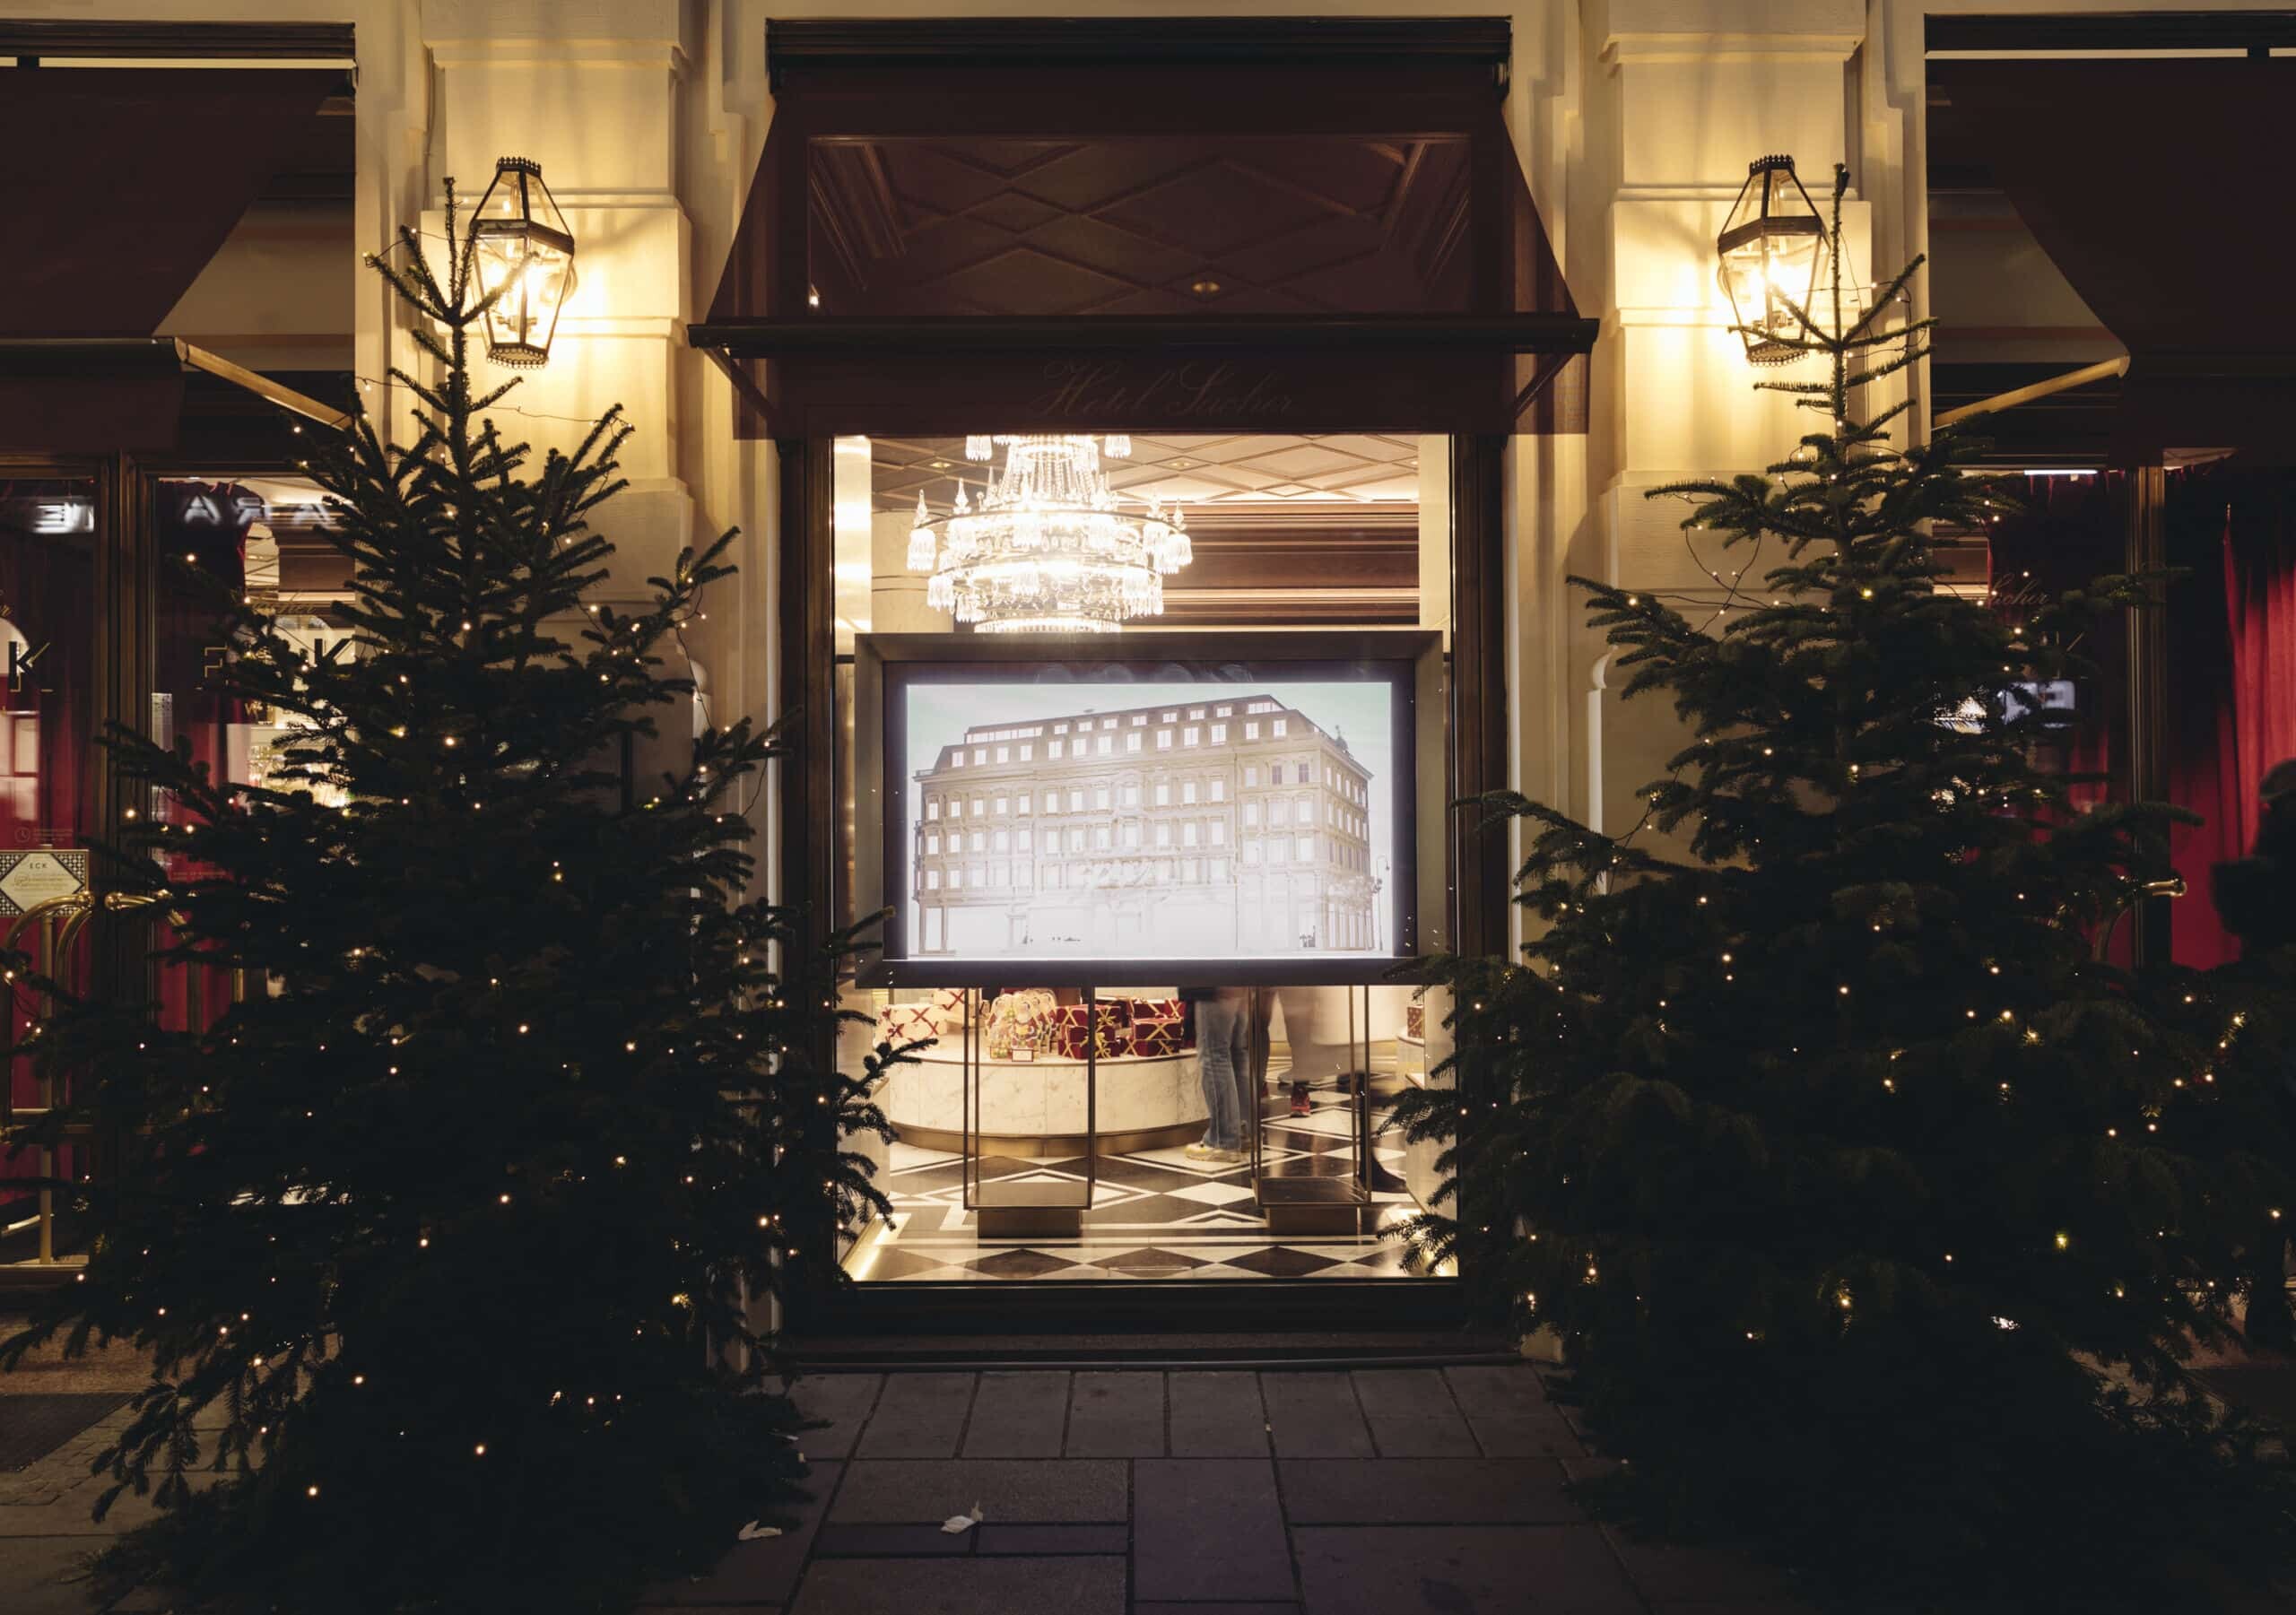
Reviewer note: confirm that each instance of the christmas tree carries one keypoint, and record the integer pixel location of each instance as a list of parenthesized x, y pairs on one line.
[(1876, 1211), (452, 1239)]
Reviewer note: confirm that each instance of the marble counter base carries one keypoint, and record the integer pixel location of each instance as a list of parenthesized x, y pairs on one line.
[(1022, 1106)]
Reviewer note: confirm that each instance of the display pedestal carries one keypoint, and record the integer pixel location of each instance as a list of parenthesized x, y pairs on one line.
[(1033, 1108)]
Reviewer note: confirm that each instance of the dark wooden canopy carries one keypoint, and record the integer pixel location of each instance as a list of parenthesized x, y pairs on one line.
[(1294, 224), (2149, 183)]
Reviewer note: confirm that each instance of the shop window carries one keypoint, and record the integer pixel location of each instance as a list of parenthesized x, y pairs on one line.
[(1111, 870)]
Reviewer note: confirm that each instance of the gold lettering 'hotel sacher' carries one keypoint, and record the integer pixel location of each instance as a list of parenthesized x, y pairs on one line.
[(1220, 828)]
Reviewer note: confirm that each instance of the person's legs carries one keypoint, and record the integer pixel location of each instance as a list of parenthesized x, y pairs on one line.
[(1215, 1042), (1248, 1090)]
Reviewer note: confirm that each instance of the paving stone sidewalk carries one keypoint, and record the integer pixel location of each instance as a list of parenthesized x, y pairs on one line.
[(1381, 1491)]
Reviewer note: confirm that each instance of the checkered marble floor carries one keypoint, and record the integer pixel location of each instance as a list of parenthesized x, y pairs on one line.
[(1154, 1215)]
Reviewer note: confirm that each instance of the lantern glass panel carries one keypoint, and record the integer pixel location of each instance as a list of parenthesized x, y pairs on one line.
[(523, 251), (1772, 249)]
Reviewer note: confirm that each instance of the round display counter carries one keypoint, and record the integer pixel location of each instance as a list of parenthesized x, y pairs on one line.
[(1036, 1107)]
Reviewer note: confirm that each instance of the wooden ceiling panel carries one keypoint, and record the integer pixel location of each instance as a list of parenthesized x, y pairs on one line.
[(914, 226)]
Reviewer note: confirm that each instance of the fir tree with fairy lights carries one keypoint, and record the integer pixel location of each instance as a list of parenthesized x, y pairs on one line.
[(452, 1240), (1876, 1211)]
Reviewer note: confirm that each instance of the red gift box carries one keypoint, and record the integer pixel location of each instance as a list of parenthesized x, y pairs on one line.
[(1159, 1035), (1114, 1037), (1414, 1022)]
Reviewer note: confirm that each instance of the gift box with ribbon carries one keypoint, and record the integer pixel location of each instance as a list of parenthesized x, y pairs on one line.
[(1414, 1022), (1112, 1036), (903, 1023), (1157, 1032), (950, 1009), (1019, 1020)]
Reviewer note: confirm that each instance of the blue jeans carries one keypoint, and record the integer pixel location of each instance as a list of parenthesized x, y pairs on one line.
[(1222, 1026)]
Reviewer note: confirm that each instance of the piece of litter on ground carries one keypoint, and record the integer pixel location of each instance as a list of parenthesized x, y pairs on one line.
[(752, 1531), (957, 1525)]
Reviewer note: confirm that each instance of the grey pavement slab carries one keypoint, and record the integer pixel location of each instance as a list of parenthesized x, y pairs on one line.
[(1412, 1414), (1397, 1491), (1051, 1539), (44, 1575), (1018, 1415), (919, 1415), (1545, 1436), (765, 1570), (1509, 1410), (1314, 1415), (1216, 1609), (1116, 1415), (890, 1541), (1461, 1570), (844, 1401), (1667, 1573), (972, 1587), (916, 1491), (1217, 1413), (1205, 1528), (1496, 1389)]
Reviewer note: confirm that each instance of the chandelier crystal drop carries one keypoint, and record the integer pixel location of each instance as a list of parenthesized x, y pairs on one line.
[(1047, 550)]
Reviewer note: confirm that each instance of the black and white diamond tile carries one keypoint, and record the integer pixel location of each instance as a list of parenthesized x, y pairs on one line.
[(1159, 1214)]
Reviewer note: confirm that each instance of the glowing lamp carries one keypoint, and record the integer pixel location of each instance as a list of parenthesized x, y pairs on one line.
[(1771, 248), (525, 257)]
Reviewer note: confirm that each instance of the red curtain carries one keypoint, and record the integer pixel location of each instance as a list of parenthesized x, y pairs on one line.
[(2231, 676)]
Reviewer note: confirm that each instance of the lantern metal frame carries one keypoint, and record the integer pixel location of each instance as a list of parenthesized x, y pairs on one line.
[(524, 254), (1770, 331)]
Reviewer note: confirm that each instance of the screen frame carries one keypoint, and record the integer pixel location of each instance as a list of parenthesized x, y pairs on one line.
[(1405, 660)]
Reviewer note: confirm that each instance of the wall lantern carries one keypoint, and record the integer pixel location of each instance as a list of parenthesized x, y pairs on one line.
[(526, 253), (1772, 248)]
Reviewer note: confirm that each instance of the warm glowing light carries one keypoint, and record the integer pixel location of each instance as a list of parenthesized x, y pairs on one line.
[(1047, 550), (1771, 247), (524, 257)]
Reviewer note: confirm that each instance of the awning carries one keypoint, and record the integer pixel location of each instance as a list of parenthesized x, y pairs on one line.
[(2150, 184), (122, 182), (1212, 224)]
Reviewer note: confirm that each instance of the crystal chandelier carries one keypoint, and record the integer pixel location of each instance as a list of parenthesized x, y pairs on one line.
[(1046, 551)]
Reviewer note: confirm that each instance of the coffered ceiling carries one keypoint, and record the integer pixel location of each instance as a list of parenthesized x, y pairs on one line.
[(1207, 474), (1179, 225)]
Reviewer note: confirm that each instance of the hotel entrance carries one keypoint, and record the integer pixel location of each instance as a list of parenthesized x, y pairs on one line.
[(1141, 431)]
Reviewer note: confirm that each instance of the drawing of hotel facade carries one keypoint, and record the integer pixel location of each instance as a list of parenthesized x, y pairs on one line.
[(1209, 828)]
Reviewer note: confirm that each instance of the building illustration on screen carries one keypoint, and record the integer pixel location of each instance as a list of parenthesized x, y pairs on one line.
[(1197, 830)]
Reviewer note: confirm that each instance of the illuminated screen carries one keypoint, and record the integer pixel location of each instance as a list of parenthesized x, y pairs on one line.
[(1048, 814)]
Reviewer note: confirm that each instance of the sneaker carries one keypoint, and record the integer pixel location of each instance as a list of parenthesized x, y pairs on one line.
[(1202, 1151), (1232, 1157), (1300, 1104)]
